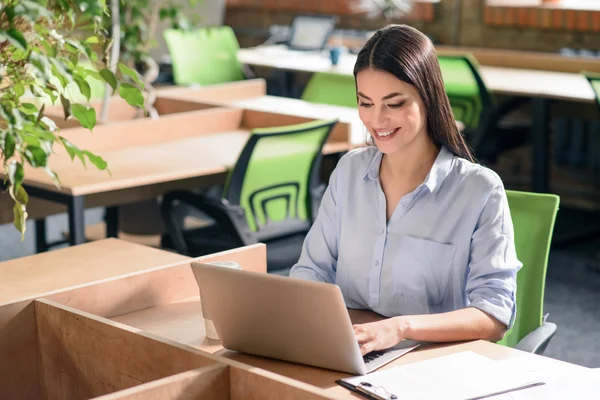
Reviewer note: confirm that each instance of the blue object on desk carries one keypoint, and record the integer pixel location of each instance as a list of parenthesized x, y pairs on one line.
[(334, 54)]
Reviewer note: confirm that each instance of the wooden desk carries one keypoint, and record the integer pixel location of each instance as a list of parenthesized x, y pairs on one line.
[(182, 322), (541, 86), (136, 325), (147, 158)]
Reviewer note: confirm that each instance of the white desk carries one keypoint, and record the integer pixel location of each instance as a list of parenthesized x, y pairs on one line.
[(506, 81), (541, 86)]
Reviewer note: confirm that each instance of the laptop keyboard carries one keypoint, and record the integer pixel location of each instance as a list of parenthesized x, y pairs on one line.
[(373, 355)]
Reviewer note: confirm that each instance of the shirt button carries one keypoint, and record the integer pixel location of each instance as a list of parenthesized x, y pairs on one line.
[(383, 230), (377, 263)]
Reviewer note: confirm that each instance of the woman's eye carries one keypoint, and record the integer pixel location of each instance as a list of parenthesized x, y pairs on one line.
[(396, 105), (366, 105)]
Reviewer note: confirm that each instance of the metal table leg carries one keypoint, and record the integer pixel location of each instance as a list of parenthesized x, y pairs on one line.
[(541, 145), (41, 244), (76, 220), (112, 221)]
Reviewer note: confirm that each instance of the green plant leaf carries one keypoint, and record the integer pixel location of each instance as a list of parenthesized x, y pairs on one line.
[(132, 95), (29, 108), (93, 74), (41, 113), (96, 160), (85, 115), (109, 78), (125, 70), (49, 123), (16, 38), (36, 156), (50, 51), (66, 103), (92, 40), (15, 174), (72, 150), (19, 196), (51, 93), (60, 72), (19, 89), (31, 140), (84, 87), (9, 146), (20, 217), (40, 62)]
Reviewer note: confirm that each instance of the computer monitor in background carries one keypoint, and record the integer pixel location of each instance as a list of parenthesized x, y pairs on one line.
[(310, 32)]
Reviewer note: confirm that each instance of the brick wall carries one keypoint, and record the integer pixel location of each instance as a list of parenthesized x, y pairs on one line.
[(477, 25)]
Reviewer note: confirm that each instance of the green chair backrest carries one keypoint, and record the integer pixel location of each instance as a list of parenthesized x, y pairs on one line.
[(273, 176), (533, 216), (328, 88), (594, 80), (204, 56), (465, 88)]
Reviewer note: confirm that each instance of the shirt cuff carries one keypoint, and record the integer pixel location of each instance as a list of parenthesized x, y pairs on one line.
[(500, 312), (305, 273)]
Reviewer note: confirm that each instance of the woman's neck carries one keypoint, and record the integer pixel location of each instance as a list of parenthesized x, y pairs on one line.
[(412, 163)]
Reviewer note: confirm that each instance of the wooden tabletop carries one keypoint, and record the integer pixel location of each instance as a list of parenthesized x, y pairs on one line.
[(182, 322), (75, 266), (507, 81), (145, 165)]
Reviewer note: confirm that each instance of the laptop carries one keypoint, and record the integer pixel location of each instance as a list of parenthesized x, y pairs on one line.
[(286, 319), (310, 32)]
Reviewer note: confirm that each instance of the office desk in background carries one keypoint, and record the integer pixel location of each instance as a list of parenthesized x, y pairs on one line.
[(542, 87), (148, 158)]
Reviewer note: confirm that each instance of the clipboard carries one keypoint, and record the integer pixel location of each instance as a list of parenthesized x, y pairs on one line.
[(368, 391), (486, 378)]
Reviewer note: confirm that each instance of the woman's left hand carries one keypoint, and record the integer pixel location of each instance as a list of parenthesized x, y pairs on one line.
[(378, 335)]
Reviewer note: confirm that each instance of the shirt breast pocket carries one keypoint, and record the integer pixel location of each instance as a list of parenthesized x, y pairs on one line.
[(421, 271)]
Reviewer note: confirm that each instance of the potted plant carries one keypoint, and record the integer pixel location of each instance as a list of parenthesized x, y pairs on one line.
[(46, 45)]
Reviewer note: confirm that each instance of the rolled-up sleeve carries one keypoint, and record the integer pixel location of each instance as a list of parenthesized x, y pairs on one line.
[(493, 264), (318, 260)]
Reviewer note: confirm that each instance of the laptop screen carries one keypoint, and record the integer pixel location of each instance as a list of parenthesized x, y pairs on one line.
[(310, 32)]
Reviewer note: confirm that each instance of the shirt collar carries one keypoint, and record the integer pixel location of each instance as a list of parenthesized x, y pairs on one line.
[(439, 171)]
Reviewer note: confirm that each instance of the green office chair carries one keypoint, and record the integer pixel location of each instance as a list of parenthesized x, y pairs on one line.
[(270, 196), (328, 88), (465, 88), (476, 108), (533, 216), (204, 56), (594, 80)]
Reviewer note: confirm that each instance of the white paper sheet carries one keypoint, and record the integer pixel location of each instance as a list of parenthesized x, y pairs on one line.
[(460, 376)]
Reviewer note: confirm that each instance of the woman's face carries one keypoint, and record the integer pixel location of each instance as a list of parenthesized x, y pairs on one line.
[(391, 110)]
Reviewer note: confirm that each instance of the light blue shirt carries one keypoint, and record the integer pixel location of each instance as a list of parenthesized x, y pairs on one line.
[(449, 244)]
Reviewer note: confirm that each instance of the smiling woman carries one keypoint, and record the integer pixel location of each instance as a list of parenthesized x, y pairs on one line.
[(412, 228)]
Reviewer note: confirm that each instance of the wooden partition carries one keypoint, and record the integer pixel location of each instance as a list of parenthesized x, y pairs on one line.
[(52, 350), (107, 278), (217, 93), (119, 110), (81, 356)]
